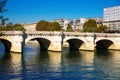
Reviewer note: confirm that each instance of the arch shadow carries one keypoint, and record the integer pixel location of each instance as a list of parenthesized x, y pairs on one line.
[(44, 43), (75, 44), (7, 45), (103, 44)]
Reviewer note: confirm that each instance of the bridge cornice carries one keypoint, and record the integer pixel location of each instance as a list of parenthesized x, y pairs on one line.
[(11, 33), (56, 38), (47, 33)]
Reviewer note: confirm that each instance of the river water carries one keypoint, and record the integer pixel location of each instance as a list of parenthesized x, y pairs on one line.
[(34, 64)]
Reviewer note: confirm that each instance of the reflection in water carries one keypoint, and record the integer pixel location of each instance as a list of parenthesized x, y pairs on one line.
[(88, 59), (16, 64), (53, 68), (55, 59), (72, 54), (10, 66), (68, 65), (5, 56), (108, 62), (1, 50), (16, 58), (82, 56), (71, 58), (87, 56), (102, 54), (115, 56), (77, 64)]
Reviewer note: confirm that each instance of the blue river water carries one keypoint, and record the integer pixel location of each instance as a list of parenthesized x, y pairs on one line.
[(34, 64)]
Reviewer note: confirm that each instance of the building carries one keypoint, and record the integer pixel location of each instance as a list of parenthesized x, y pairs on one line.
[(30, 27), (77, 24), (63, 22), (112, 17)]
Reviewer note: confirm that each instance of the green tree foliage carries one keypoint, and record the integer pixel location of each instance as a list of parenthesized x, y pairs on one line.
[(102, 28), (48, 26), (69, 28), (2, 5), (90, 26), (2, 9), (16, 27), (43, 26), (55, 26)]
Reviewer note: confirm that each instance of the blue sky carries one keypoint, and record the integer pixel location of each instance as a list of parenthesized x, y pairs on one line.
[(26, 11)]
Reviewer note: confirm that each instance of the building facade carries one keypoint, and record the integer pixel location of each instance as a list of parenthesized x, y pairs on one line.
[(30, 27), (77, 24), (112, 17)]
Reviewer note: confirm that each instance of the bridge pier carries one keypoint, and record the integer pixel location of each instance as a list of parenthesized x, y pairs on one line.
[(13, 40), (56, 44), (17, 41), (16, 47), (87, 46), (115, 46)]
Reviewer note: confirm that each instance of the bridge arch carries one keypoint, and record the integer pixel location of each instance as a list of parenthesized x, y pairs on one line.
[(75, 44), (43, 42), (104, 44), (7, 44)]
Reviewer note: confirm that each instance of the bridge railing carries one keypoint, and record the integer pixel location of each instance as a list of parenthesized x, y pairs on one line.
[(77, 34), (107, 34), (42, 33), (72, 34), (9, 33)]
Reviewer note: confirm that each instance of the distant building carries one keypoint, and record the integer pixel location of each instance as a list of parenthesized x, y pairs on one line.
[(77, 24), (30, 27), (99, 21), (63, 22), (112, 17)]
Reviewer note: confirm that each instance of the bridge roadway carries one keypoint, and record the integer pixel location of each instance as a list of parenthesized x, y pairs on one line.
[(53, 41)]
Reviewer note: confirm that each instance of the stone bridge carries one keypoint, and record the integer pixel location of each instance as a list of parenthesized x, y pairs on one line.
[(13, 40), (54, 41), (92, 41), (47, 40)]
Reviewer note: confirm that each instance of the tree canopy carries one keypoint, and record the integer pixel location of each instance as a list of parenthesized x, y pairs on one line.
[(55, 26), (48, 26), (2, 5), (16, 27), (69, 28), (90, 26), (102, 28), (2, 9), (42, 25)]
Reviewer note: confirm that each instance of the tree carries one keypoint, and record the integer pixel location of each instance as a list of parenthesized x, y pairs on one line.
[(69, 28), (16, 27), (90, 26), (102, 28), (2, 5), (55, 26), (2, 9), (48, 26), (3, 21), (43, 26)]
